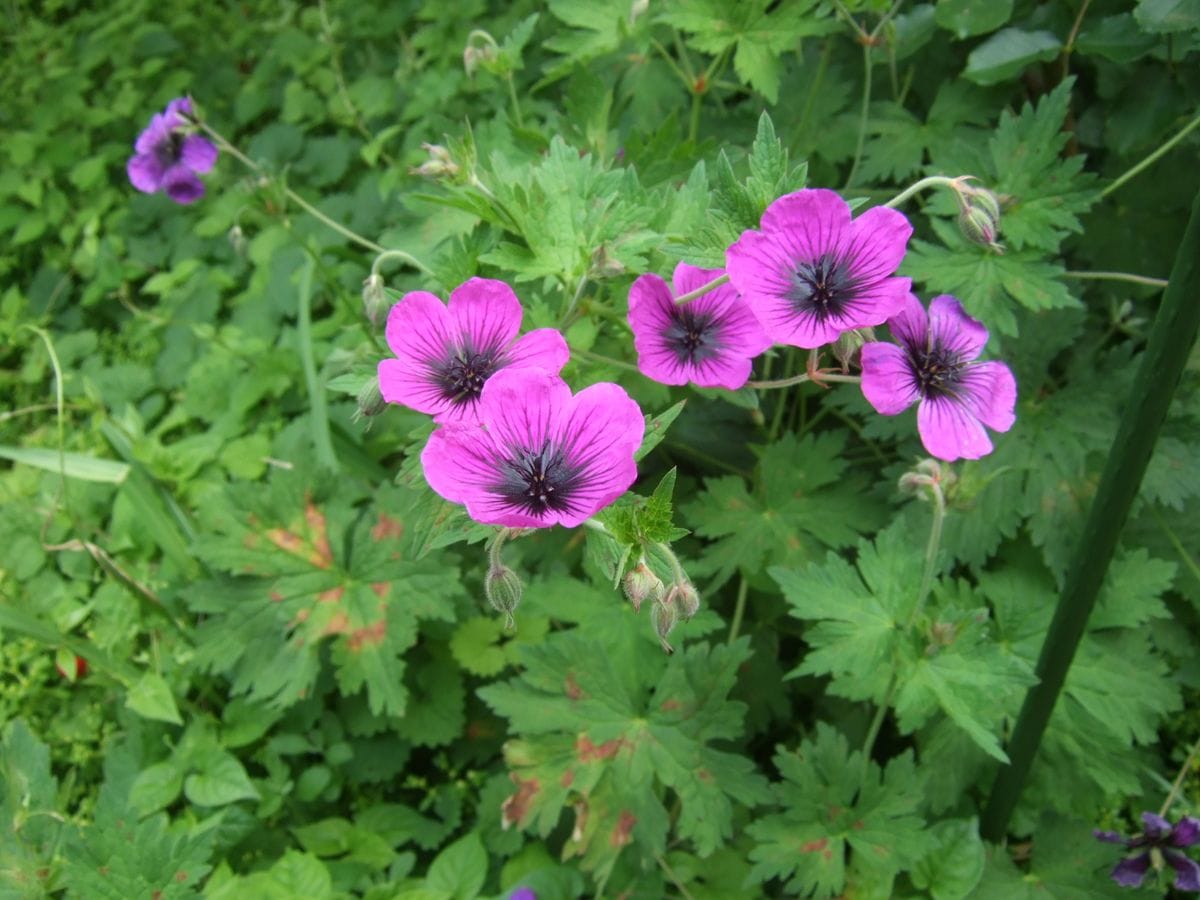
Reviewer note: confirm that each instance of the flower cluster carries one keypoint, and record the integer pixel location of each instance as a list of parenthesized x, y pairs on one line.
[(813, 275), (514, 445), (169, 155)]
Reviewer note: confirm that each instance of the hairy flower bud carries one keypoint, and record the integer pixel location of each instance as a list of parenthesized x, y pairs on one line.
[(642, 584), (503, 588), (439, 165), (665, 615), (846, 347), (237, 240), (684, 597), (374, 297), (978, 227), (370, 400)]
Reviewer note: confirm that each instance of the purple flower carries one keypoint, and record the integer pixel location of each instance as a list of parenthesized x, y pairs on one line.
[(811, 272), (168, 158), (1158, 836), (709, 341), (445, 354), (541, 456), (523, 893), (934, 364)]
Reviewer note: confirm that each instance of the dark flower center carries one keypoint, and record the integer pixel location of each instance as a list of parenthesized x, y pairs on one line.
[(937, 370), (823, 288), (461, 377), (693, 336), (537, 481), (170, 150)]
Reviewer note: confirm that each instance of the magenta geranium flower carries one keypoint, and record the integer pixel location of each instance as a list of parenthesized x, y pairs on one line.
[(709, 341), (811, 272), (540, 456), (169, 158), (934, 365), (445, 354), (1161, 837)]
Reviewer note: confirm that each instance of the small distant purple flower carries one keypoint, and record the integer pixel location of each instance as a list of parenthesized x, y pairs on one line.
[(811, 272), (541, 456), (445, 354), (709, 341), (1157, 836), (523, 893), (934, 364), (168, 158)]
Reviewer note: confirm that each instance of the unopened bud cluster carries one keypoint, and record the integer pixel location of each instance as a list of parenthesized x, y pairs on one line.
[(978, 214), (928, 475), (642, 584), (440, 164)]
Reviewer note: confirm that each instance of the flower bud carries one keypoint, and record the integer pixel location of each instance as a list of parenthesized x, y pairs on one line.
[(503, 588), (846, 347), (237, 240), (374, 297), (370, 400), (439, 165), (642, 584), (685, 598), (978, 227), (665, 615), (985, 200), (478, 56)]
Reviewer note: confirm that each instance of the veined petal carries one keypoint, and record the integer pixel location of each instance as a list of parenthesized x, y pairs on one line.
[(812, 222), (877, 242), (872, 304), (888, 382), (761, 268), (419, 328), (198, 153), (910, 324), (145, 172), (599, 432), (485, 314), (950, 431), (409, 383), (521, 407), (725, 371), (993, 392), (651, 307), (542, 348), (741, 333), (951, 327), (1130, 872), (688, 278)]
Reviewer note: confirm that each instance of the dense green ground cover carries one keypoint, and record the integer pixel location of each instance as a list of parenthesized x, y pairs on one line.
[(294, 685)]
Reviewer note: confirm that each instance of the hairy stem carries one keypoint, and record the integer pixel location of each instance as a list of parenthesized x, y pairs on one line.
[(739, 609), (702, 290), (800, 379), (1116, 276), (862, 116), (917, 187), (1178, 783), (1152, 158)]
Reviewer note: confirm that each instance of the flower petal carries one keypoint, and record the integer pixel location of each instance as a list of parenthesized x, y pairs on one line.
[(463, 464), (542, 348), (1130, 872), (650, 315), (910, 324), (1186, 832), (600, 431), (873, 304), (950, 431), (485, 313), (810, 222), (888, 382), (419, 329), (157, 133), (993, 393), (952, 328), (178, 111), (761, 268), (181, 185), (1187, 871), (1110, 837), (198, 153), (688, 278), (728, 371), (145, 172), (408, 383), (877, 242), (1155, 827), (521, 407)]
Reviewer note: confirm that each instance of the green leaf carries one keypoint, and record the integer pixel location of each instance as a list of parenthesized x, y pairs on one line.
[(74, 465), (220, 780), (460, 869), (156, 787), (1165, 16), (656, 429), (967, 18), (828, 811), (293, 875), (151, 697), (954, 865), (1007, 53), (1115, 38)]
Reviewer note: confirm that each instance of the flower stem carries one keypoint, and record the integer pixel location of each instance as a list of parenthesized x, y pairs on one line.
[(1152, 158), (1178, 783), (607, 360), (516, 103), (403, 257), (931, 181), (931, 553), (316, 392), (672, 877), (800, 379), (739, 609), (1162, 364), (1116, 276), (288, 192), (862, 116), (702, 290)]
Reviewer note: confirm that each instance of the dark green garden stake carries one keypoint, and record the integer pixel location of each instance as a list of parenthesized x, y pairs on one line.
[(1174, 332)]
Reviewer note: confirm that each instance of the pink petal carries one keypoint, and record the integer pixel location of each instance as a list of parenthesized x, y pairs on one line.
[(145, 173), (761, 268), (463, 464), (810, 222), (155, 134), (542, 348), (951, 327), (887, 378), (878, 240), (949, 431), (873, 305), (485, 313), (600, 431), (910, 324), (521, 407), (411, 384), (178, 111), (741, 333), (650, 314), (725, 371), (688, 278), (198, 153), (419, 329), (994, 394), (181, 185)]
